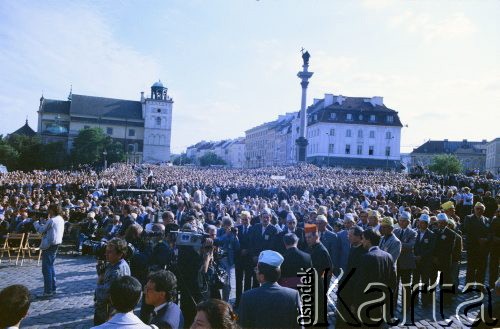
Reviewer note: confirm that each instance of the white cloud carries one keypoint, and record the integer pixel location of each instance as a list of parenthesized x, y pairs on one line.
[(377, 4), (50, 47), (454, 26)]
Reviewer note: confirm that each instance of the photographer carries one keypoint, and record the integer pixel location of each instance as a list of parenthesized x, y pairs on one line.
[(193, 264), (116, 251), (229, 244), (88, 230)]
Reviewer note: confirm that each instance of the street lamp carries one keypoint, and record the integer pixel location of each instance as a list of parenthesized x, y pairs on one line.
[(388, 153), (105, 159), (328, 159)]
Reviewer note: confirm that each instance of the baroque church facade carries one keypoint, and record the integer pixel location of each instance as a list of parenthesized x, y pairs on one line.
[(143, 127)]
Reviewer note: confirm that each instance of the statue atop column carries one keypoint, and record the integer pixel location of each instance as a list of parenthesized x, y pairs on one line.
[(305, 56)]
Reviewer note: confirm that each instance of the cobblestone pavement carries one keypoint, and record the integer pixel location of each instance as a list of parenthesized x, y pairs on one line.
[(72, 307)]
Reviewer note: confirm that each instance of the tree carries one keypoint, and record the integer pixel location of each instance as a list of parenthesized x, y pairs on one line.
[(89, 145), (210, 158), (53, 156), (182, 159), (446, 164), (8, 156), (29, 149)]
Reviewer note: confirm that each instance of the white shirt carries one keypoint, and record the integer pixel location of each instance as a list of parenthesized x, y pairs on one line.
[(52, 231), (123, 321)]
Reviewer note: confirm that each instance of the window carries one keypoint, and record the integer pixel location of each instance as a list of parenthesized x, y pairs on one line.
[(360, 117), (131, 132), (348, 133), (388, 151), (372, 118), (349, 117), (158, 121), (330, 148), (109, 131), (390, 118), (158, 110), (333, 116), (359, 150), (315, 117), (372, 134), (388, 135), (370, 150), (360, 133), (332, 132), (347, 149)]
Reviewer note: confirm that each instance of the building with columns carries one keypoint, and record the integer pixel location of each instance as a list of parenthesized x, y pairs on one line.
[(143, 127)]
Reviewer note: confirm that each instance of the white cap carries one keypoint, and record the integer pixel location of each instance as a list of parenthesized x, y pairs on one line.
[(405, 215), (270, 257), (348, 217), (425, 218), (442, 216)]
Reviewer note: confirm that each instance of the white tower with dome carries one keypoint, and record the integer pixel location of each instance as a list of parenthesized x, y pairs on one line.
[(157, 115)]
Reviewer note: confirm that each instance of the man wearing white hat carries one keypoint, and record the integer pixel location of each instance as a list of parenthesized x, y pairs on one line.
[(270, 305), (443, 252), (424, 247)]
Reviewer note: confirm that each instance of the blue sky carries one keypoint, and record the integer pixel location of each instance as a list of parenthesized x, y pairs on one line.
[(231, 65)]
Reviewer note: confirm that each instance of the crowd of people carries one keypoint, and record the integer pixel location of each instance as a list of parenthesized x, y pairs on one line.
[(178, 235)]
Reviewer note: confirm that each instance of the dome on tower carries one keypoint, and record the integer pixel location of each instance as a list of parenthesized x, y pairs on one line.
[(157, 84)]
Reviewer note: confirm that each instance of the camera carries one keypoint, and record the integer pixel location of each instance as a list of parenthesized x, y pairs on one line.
[(190, 239)]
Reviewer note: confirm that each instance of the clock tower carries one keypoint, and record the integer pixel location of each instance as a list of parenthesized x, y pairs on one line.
[(157, 115)]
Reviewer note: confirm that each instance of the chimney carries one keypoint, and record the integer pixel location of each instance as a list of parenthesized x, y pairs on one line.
[(340, 99), (377, 100), (315, 101), (142, 96), (328, 100)]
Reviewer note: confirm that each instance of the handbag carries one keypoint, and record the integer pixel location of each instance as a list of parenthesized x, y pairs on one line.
[(218, 276)]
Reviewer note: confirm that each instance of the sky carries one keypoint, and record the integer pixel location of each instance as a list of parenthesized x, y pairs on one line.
[(232, 65)]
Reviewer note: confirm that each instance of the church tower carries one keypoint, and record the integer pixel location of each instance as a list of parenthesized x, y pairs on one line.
[(157, 115)]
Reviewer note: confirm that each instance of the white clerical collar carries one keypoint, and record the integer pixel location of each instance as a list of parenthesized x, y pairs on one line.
[(159, 307)]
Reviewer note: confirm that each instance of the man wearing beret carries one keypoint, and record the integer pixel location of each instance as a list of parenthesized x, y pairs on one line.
[(270, 305), (476, 230)]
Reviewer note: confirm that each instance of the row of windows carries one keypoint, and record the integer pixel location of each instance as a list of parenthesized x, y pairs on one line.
[(313, 148), (109, 131), (350, 117), (348, 133)]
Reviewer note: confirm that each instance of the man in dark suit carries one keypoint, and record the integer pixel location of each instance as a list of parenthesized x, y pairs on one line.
[(330, 241), (378, 267), (262, 235), (443, 252), (270, 305), (291, 227), (159, 290), (321, 262), (127, 220), (406, 260), (423, 249), (476, 230), (244, 266), (295, 261)]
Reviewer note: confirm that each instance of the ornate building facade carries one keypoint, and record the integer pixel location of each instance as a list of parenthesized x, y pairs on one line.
[(143, 127)]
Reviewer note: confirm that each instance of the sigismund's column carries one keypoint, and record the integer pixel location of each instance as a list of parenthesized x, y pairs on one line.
[(304, 76)]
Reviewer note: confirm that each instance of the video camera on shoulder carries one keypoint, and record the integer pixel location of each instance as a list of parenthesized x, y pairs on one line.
[(189, 239)]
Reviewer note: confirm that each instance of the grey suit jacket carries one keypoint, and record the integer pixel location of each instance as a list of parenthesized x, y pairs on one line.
[(332, 243), (406, 260), (392, 245)]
